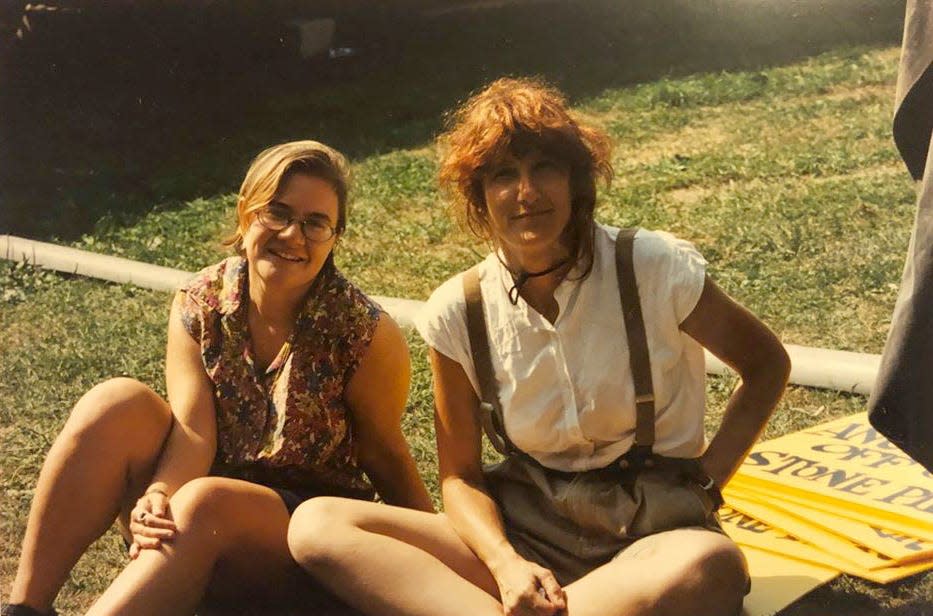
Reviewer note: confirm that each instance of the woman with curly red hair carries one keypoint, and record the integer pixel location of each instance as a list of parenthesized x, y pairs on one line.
[(578, 349)]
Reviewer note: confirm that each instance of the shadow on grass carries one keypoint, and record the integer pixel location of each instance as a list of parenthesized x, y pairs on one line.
[(856, 597), (108, 116)]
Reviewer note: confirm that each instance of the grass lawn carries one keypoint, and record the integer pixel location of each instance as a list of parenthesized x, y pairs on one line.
[(785, 177)]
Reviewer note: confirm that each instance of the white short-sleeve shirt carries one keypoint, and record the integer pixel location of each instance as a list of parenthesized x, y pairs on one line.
[(566, 388)]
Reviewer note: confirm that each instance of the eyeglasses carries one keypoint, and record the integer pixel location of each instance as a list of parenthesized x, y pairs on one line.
[(314, 228)]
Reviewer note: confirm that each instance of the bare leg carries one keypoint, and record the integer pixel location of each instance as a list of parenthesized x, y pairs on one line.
[(365, 551), (389, 560), (97, 466), (224, 525), (681, 572)]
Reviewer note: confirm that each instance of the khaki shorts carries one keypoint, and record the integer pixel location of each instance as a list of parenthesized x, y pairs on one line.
[(573, 523)]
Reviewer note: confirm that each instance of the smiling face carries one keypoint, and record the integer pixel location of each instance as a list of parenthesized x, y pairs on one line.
[(285, 260), (528, 203)]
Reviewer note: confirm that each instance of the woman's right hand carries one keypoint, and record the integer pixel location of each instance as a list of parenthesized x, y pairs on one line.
[(528, 589), (151, 522), (525, 588)]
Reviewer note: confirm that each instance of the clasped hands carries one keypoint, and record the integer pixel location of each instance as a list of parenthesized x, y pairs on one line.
[(151, 522), (528, 589)]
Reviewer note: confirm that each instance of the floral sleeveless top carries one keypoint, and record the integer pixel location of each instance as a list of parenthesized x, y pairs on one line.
[(287, 426)]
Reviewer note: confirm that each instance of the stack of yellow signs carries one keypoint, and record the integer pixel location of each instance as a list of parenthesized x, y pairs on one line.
[(838, 495)]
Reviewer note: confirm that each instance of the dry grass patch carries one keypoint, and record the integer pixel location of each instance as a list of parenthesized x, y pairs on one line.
[(694, 139), (691, 196)]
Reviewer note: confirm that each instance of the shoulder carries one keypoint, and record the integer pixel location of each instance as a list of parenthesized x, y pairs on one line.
[(670, 271), (652, 250), (212, 292), (442, 320), (350, 299), (653, 242), (342, 319), (387, 346), (217, 287), (649, 244), (445, 300), (442, 316), (446, 307)]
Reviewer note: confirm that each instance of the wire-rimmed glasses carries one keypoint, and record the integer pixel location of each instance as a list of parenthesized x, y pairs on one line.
[(315, 227)]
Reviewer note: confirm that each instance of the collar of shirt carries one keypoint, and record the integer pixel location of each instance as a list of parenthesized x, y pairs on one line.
[(566, 295)]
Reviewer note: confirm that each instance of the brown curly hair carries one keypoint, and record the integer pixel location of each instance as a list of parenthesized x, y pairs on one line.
[(515, 116)]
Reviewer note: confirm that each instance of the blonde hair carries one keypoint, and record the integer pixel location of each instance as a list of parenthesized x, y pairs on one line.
[(271, 170)]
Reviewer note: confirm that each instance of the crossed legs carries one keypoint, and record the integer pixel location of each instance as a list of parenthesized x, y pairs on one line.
[(392, 561), (389, 560), (679, 572)]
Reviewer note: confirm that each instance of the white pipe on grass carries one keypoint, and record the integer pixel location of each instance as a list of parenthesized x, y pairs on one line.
[(91, 264), (822, 368), (148, 276), (812, 367)]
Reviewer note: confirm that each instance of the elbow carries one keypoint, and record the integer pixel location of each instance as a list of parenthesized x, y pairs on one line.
[(206, 447), (781, 365), (769, 370)]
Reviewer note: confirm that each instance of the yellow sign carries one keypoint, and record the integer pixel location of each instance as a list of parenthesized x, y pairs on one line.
[(751, 533), (770, 492), (896, 546), (847, 464)]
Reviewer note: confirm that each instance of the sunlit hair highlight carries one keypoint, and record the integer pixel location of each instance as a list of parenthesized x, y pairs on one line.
[(515, 116), (271, 170)]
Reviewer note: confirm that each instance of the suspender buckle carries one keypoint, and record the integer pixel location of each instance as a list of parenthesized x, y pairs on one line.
[(642, 398), (639, 457)]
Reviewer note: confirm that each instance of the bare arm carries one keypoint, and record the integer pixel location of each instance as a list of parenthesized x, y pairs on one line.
[(473, 513), (377, 394), (745, 344), (189, 450)]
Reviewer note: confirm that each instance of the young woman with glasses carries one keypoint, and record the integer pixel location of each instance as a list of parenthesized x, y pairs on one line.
[(284, 382)]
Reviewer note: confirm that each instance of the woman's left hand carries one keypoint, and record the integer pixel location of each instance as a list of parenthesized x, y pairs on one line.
[(151, 522), (528, 589)]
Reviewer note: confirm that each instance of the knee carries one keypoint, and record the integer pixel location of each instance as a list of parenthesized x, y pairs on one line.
[(120, 407), (204, 509), (714, 577), (315, 530)]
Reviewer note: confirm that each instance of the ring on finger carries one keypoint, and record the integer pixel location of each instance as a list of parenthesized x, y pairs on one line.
[(141, 516)]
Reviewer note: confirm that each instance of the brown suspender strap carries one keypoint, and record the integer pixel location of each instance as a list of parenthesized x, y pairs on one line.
[(637, 340), (639, 359), (490, 407)]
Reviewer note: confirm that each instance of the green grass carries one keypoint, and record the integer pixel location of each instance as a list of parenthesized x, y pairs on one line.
[(786, 179)]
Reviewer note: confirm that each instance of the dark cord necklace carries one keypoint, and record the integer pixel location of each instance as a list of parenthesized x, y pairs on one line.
[(521, 277)]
